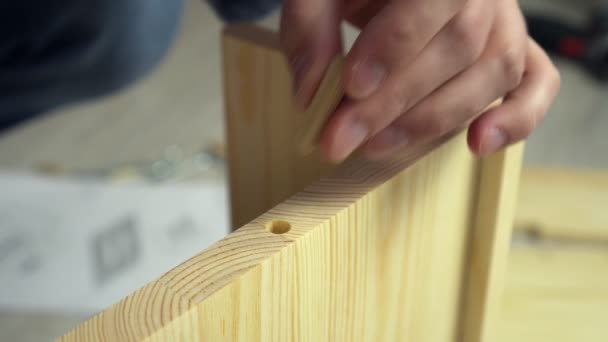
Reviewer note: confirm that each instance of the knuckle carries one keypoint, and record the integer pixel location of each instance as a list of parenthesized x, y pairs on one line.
[(394, 103), (430, 126), (401, 33), (384, 111), (437, 127)]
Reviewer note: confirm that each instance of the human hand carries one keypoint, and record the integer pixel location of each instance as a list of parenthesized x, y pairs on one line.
[(420, 69)]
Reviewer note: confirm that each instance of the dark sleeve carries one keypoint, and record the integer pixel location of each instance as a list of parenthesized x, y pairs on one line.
[(243, 10)]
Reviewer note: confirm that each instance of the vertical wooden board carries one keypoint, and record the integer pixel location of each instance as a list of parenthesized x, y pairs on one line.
[(490, 241), (279, 112), (455, 207), (244, 69), (262, 125)]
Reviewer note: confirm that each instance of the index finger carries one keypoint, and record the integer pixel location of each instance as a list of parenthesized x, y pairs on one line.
[(392, 39), (310, 37)]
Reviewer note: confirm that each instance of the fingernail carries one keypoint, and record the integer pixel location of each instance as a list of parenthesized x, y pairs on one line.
[(367, 78), (348, 137), (493, 140), (299, 66)]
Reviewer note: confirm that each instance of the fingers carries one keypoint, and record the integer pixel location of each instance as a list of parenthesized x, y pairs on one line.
[(391, 40), (361, 12), (448, 108), (342, 131), (456, 102), (310, 36), (522, 109), (410, 84)]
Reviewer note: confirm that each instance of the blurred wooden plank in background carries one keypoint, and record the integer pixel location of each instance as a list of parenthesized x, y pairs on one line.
[(564, 204), (556, 292)]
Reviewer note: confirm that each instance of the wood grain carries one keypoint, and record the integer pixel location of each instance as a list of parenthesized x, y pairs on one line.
[(564, 204), (330, 94), (556, 292), (490, 241), (364, 260), (376, 251), (263, 127)]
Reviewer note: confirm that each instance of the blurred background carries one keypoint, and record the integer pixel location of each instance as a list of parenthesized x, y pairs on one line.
[(100, 198)]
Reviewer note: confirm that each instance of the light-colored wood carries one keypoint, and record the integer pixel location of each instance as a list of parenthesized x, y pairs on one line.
[(564, 204), (330, 93), (556, 292), (490, 243), (375, 252), (557, 286), (364, 260), (259, 107)]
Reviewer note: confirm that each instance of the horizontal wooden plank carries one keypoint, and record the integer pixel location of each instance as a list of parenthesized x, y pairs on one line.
[(563, 204), (557, 293), (370, 254)]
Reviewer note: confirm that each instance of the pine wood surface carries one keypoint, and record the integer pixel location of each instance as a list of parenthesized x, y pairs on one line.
[(555, 292), (566, 204), (377, 251), (490, 242)]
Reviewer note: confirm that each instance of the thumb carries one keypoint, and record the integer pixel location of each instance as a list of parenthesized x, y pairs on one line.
[(310, 37)]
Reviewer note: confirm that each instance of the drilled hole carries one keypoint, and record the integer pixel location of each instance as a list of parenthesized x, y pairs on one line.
[(278, 227)]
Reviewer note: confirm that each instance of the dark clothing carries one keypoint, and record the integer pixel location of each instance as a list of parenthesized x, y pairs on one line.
[(58, 52), (239, 10)]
